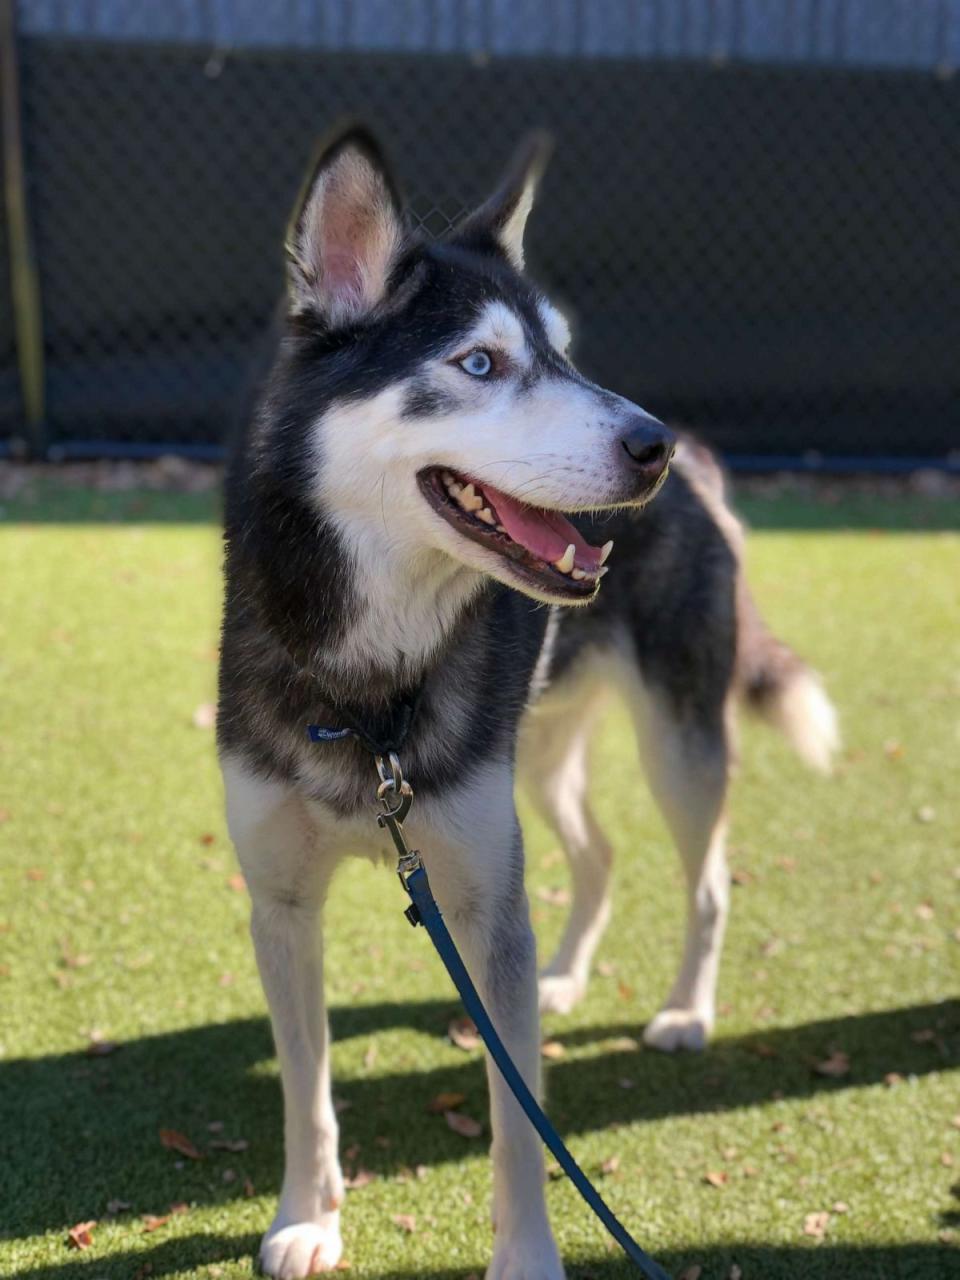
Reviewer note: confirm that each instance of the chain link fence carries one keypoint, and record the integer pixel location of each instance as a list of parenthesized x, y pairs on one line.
[(751, 213)]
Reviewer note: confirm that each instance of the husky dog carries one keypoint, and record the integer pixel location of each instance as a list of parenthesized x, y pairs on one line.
[(419, 514)]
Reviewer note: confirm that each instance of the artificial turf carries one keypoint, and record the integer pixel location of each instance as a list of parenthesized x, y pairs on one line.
[(121, 921)]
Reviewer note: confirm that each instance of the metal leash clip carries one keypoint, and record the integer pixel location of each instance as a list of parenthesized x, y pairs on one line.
[(395, 795)]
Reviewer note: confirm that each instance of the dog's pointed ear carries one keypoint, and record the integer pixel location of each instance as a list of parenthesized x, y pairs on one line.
[(505, 214), (346, 232)]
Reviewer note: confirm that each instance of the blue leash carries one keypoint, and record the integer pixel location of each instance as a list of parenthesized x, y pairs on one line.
[(396, 796), (428, 914)]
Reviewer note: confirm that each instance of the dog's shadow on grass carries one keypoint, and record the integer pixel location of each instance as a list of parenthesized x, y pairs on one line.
[(81, 1131), (913, 1261)]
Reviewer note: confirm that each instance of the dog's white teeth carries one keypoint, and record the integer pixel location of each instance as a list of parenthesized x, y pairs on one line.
[(578, 575), (455, 490), (486, 515), (601, 572), (565, 563), (501, 529), (605, 551), (469, 499), (448, 479)]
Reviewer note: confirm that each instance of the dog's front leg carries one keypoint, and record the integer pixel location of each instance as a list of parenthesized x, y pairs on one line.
[(479, 887), (287, 879)]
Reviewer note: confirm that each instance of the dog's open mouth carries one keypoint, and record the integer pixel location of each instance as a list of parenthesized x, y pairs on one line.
[(543, 546)]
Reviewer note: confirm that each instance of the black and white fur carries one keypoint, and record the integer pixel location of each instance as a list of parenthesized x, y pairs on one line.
[(347, 589)]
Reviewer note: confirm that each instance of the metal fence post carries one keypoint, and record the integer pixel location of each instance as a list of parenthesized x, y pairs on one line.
[(24, 280)]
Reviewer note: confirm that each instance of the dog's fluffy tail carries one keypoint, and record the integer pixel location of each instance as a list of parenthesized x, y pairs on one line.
[(778, 686), (771, 679)]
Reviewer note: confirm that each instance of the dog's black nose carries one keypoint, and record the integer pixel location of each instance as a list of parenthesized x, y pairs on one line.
[(648, 444)]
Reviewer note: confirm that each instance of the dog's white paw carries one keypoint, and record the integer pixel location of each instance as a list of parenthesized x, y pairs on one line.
[(302, 1248), (560, 992), (674, 1029), (526, 1258)]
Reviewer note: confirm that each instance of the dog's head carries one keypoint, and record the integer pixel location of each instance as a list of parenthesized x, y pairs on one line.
[(448, 416)]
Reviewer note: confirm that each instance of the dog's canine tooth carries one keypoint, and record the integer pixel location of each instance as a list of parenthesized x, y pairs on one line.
[(486, 515), (455, 490), (605, 551), (578, 575), (447, 479), (469, 499), (565, 563), (601, 572), (501, 529)]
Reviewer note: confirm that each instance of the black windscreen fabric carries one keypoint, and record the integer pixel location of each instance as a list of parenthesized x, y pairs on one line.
[(769, 254)]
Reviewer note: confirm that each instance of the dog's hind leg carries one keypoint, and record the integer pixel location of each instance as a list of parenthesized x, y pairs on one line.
[(554, 770), (686, 755), (287, 879)]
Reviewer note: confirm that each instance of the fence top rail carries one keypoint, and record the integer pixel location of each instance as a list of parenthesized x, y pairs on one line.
[(918, 34)]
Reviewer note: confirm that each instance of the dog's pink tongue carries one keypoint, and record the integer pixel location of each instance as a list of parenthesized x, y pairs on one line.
[(546, 533)]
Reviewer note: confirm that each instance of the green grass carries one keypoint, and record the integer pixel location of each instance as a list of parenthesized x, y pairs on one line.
[(117, 915)]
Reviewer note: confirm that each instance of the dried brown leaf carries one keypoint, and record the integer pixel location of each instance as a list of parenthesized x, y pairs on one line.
[(99, 1047), (205, 716), (179, 1142), (623, 1044), (463, 1033), (151, 1221), (553, 1050), (465, 1126), (406, 1222), (815, 1224), (553, 896), (763, 1050), (81, 1235), (837, 1065), (716, 1177), (237, 883), (229, 1144), (362, 1178), (610, 1165), (445, 1102)]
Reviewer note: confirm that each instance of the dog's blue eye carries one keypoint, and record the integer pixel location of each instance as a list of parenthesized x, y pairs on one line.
[(478, 364)]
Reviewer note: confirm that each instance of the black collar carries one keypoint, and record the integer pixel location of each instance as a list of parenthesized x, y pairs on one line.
[(379, 733)]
